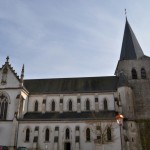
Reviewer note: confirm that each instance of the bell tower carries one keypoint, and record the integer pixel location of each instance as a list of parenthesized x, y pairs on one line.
[(136, 68)]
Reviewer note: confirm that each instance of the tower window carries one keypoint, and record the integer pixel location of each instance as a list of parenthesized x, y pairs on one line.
[(134, 74), (143, 73)]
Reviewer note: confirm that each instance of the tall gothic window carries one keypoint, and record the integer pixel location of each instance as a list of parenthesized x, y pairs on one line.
[(88, 134), (36, 106), (134, 74), (87, 105), (3, 106), (109, 136), (67, 133), (143, 73), (70, 105), (105, 105), (53, 106), (47, 134), (27, 135)]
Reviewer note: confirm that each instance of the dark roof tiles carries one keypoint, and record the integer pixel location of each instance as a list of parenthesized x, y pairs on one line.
[(71, 85), (56, 116), (130, 47)]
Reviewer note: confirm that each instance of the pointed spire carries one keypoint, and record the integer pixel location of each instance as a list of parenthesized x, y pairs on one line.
[(130, 47), (22, 75)]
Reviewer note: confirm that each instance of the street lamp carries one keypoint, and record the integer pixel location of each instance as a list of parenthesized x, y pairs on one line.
[(119, 119)]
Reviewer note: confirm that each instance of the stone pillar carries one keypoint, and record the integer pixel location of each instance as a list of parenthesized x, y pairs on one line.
[(61, 105), (44, 106), (35, 140), (14, 133)]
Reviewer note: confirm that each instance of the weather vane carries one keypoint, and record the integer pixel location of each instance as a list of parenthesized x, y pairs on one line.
[(125, 13)]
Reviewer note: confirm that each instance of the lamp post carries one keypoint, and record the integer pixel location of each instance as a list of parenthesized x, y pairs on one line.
[(119, 119)]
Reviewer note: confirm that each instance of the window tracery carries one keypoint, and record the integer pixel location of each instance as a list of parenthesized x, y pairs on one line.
[(3, 106)]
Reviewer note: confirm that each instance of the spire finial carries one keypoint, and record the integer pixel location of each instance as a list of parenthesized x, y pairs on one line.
[(7, 59), (125, 13)]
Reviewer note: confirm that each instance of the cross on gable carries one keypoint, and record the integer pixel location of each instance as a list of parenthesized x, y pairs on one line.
[(7, 58)]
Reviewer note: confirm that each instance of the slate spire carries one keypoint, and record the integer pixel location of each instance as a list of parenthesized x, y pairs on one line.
[(130, 47)]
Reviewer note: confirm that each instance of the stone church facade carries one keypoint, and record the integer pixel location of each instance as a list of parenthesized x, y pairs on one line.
[(79, 113)]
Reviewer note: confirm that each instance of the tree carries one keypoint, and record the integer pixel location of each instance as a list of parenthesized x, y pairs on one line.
[(102, 131)]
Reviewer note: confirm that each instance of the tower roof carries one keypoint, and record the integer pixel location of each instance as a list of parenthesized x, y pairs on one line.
[(130, 47)]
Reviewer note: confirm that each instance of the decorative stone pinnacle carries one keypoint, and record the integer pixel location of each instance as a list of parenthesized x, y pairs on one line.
[(22, 72)]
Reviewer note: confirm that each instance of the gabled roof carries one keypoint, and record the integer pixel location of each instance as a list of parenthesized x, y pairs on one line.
[(71, 85), (11, 68), (130, 47)]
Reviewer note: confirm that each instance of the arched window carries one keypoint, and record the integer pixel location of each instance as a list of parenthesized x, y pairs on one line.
[(70, 105), (134, 74), (53, 106), (47, 134), (36, 106), (109, 136), (105, 105), (27, 135), (87, 105), (143, 73), (3, 106), (88, 134), (67, 133)]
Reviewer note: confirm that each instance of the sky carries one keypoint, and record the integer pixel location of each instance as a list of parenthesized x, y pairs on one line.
[(69, 38)]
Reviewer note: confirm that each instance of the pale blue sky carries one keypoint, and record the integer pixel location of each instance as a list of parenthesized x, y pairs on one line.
[(69, 38)]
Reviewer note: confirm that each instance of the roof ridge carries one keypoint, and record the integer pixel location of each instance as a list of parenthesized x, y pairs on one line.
[(71, 78)]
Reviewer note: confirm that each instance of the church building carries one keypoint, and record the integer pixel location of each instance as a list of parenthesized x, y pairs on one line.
[(79, 113)]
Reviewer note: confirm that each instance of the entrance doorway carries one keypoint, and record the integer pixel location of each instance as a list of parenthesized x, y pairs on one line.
[(67, 146)]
